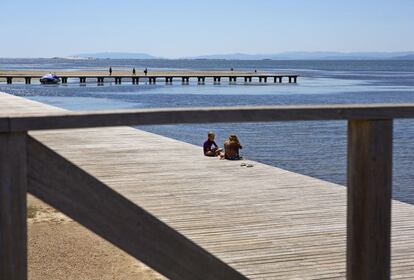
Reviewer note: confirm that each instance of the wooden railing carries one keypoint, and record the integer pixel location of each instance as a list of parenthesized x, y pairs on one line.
[(369, 174)]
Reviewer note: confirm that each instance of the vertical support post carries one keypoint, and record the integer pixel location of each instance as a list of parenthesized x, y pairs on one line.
[(13, 224), (185, 80), (27, 80), (9, 80), (369, 199)]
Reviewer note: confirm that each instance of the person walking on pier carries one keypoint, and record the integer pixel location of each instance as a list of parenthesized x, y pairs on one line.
[(145, 71), (133, 71), (210, 147), (110, 71)]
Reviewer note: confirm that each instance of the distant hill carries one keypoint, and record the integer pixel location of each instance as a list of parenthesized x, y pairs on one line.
[(234, 56), (405, 57), (275, 56), (116, 55), (311, 56)]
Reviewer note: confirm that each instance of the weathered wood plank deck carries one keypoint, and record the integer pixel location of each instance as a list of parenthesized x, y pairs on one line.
[(265, 222)]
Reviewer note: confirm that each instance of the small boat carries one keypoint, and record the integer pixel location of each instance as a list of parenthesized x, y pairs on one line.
[(50, 79)]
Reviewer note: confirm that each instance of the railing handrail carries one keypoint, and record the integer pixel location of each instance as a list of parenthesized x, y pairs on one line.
[(64, 120)]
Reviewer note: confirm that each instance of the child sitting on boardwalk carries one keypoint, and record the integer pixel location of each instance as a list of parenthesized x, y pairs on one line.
[(210, 147), (231, 148)]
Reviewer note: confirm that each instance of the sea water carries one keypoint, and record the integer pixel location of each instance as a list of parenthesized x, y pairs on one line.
[(313, 148)]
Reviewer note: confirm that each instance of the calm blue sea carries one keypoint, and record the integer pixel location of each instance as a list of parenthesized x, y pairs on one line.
[(316, 149)]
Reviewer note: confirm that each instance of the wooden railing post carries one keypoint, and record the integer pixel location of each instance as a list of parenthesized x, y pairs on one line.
[(13, 225), (369, 199)]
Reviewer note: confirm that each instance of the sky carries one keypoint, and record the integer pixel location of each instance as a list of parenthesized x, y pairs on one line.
[(189, 28)]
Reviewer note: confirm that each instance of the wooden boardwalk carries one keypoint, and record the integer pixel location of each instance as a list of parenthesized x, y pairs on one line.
[(265, 222), (152, 77)]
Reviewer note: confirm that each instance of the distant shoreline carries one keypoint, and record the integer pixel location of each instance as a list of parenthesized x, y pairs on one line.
[(409, 57)]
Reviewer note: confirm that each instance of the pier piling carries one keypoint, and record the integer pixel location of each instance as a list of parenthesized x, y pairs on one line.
[(100, 80), (201, 80), (232, 79), (185, 80)]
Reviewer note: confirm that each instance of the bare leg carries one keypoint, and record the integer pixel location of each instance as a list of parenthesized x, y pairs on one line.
[(210, 154)]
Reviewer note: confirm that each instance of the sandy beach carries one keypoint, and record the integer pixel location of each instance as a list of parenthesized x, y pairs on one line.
[(61, 249)]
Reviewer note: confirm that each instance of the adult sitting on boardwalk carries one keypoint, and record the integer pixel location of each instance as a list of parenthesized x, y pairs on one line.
[(231, 148), (208, 148)]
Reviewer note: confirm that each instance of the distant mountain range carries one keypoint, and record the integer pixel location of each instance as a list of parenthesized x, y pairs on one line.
[(116, 55), (277, 56), (313, 55)]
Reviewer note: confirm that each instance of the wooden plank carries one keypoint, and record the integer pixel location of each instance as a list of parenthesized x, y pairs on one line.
[(369, 199), (13, 227), (79, 195), (58, 120)]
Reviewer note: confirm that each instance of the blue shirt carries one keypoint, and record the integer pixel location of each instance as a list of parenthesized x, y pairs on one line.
[(207, 145)]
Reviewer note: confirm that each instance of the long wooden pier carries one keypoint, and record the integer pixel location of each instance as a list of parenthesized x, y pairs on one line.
[(153, 77), (189, 216)]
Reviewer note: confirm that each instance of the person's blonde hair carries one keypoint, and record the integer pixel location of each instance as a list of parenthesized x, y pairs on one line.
[(233, 138)]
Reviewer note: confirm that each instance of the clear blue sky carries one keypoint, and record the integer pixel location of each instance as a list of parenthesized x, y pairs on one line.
[(185, 28)]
